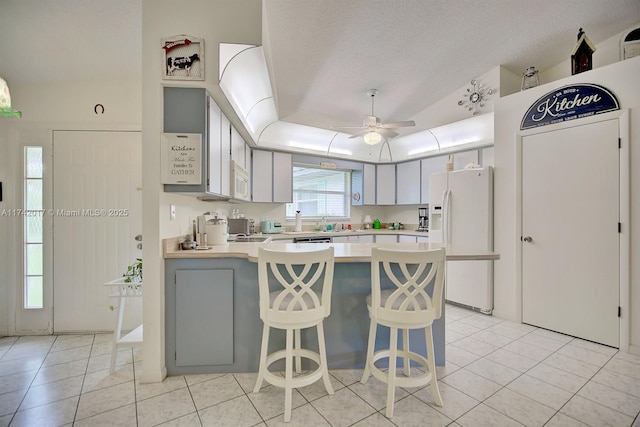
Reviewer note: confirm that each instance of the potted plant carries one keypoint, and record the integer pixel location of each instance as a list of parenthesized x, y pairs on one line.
[(134, 272), (132, 277)]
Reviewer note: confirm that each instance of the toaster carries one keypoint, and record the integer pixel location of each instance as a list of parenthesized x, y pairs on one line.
[(271, 227)]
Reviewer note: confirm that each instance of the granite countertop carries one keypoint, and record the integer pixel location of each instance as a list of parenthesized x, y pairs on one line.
[(344, 252)]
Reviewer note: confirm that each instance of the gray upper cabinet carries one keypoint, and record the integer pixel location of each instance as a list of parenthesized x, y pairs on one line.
[(429, 166), (271, 177), (408, 185), (193, 110), (368, 184), (386, 184), (238, 148), (282, 178)]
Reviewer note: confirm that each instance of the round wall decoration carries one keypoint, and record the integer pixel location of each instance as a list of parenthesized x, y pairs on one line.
[(475, 97)]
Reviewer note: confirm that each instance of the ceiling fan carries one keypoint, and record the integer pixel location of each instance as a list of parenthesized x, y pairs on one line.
[(372, 129)]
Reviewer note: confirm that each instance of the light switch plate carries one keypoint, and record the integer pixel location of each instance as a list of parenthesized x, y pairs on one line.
[(172, 213)]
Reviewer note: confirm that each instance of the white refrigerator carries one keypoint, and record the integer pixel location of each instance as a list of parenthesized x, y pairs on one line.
[(461, 214)]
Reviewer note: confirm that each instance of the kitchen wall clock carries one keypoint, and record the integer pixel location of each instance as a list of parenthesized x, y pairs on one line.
[(475, 98), (183, 58)]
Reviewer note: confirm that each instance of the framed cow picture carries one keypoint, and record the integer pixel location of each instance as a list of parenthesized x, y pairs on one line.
[(183, 58)]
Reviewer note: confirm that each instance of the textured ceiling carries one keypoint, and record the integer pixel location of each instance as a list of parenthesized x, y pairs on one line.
[(63, 40), (324, 55)]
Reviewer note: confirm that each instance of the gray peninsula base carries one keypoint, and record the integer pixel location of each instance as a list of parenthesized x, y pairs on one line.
[(213, 324)]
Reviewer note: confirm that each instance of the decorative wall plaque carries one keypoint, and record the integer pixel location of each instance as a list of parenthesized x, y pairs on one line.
[(183, 58), (181, 158), (569, 103)]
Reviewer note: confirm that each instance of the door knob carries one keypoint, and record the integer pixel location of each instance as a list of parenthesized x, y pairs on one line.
[(528, 239)]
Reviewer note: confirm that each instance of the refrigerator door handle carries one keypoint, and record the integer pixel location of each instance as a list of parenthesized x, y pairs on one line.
[(446, 208)]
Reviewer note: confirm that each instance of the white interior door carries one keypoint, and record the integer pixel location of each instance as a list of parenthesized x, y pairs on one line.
[(97, 200), (570, 212)]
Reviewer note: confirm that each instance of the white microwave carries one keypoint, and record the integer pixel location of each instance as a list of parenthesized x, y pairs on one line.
[(239, 182)]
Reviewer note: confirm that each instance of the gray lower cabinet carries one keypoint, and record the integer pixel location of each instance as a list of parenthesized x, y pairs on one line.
[(204, 317)]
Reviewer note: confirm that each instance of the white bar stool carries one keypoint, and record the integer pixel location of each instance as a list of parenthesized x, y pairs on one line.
[(299, 297), (407, 305), (122, 291)]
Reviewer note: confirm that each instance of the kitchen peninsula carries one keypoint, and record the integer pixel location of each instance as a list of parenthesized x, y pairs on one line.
[(212, 315)]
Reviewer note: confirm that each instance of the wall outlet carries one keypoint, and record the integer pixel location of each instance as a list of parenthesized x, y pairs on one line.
[(172, 212)]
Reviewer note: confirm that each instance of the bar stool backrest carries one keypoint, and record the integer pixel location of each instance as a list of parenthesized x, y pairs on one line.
[(295, 287), (407, 286)]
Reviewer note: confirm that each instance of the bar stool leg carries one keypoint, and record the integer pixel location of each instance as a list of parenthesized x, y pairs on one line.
[(370, 347), (323, 358), (288, 378), (297, 344), (435, 391), (391, 380), (405, 346), (263, 358)]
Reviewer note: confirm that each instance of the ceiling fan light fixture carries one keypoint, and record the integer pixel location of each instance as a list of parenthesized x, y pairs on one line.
[(372, 138)]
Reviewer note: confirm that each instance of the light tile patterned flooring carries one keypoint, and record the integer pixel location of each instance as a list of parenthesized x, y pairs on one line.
[(498, 373)]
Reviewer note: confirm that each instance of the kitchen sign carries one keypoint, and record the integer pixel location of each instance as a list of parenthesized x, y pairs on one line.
[(569, 103), (181, 158)]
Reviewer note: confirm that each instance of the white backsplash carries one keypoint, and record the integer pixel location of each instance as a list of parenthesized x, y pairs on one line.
[(188, 208)]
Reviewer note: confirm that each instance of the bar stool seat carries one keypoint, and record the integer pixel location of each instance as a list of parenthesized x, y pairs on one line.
[(295, 293), (408, 304)]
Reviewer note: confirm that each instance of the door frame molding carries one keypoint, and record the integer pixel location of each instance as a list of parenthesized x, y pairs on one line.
[(625, 212)]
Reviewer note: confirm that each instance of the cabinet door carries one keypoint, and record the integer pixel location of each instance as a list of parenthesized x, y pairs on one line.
[(386, 184), (408, 185), (406, 239), (365, 239), (429, 166), (214, 171), (225, 156), (237, 148), (247, 158), (262, 176), (487, 157), (185, 111), (388, 238), (282, 178), (340, 239), (462, 159), (369, 184), (421, 239), (204, 317)]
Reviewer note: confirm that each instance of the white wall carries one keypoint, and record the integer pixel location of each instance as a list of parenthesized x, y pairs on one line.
[(607, 52), (47, 107), (622, 79)]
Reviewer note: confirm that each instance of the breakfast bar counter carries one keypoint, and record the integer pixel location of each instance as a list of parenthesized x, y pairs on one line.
[(212, 315)]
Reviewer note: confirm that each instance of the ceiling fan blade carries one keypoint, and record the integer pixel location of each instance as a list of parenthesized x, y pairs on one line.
[(387, 133), (346, 127), (362, 133), (405, 123)]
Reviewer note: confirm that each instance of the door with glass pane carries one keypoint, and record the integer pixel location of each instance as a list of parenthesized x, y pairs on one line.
[(97, 207)]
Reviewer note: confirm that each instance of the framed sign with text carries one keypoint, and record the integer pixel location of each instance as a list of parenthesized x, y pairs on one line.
[(181, 158), (569, 103)]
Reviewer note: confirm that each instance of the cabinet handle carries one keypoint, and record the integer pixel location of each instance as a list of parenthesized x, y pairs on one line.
[(528, 239)]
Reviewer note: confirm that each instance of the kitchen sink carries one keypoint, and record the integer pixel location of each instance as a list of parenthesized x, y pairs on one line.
[(252, 239)]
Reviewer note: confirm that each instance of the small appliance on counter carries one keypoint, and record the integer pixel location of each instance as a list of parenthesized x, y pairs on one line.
[(271, 227), (240, 226), (214, 228), (217, 231), (423, 219)]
